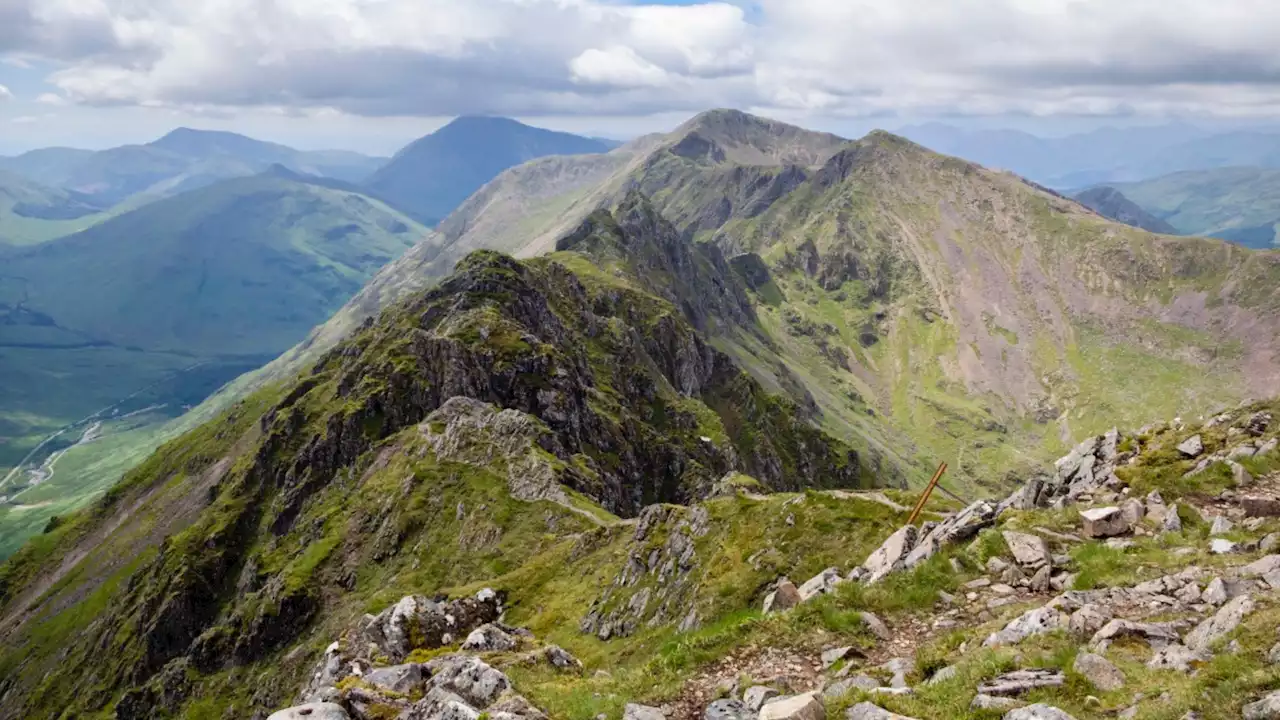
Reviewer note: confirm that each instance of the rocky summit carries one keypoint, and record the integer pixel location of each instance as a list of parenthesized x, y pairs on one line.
[(667, 467)]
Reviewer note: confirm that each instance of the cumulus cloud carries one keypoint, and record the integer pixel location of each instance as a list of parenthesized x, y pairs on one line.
[(1027, 56), (5, 94), (599, 57)]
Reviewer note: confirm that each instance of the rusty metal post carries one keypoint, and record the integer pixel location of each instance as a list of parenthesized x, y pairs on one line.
[(924, 497)]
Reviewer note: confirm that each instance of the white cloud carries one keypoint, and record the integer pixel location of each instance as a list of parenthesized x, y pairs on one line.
[(25, 120), (618, 66), (51, 99), (601, 57), (5, 94)]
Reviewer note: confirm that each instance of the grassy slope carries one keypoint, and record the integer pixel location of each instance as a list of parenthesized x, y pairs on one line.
[(222, 278), (1217, 203), (206, 509), (1005, 322)]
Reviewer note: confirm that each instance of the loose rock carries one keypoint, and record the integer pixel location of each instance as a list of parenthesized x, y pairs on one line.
[(1228, 618), (871, 711), (312, 711), (1268, 708), (1030, 551), (1177, 657), (1104, 522), (642, 712), (1099, 671), (1033, 622), (757, 695), (1019, 682), (876, 626), (797, 707), (785, 597), (728, 710), (891, 556), (820, 584), (990, 702), (1039, 711), (1192, 447), (489, 638)]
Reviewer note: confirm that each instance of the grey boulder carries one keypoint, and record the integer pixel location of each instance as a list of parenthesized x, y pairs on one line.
[(1039, 711), (1192, 447), (871, 711), (642, 712), (1227, 618), (1104, 522), (785, 597), (1031, 551), (1099, 671), (728, 710), (1268, 708), (312, 711), (796, 707)]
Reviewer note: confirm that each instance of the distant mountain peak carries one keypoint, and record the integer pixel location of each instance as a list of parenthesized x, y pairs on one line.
[(722, 135)]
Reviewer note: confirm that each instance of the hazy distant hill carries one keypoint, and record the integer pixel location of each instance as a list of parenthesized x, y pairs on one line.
[(182, 160), (1104, 156), (435, 174), (1111, 203), (1241, 204)]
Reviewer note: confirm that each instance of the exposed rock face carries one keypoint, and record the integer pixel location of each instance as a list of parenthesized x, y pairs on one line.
[(479, 433), (658, 576), (892, 555), (1227, 618), (413, 622), (1087, 469)]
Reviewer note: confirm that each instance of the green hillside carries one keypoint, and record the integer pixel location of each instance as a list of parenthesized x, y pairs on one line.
[(542, 489), (31, 213), (161, 306), (1241, 204)]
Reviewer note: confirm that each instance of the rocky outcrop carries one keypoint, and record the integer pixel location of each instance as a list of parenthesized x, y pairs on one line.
[(412, 623), (354, 680), (658, 578), (909, 546)]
